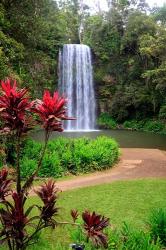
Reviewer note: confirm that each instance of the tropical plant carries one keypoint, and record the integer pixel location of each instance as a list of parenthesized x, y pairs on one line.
[(16, 111), (157, 225), (106, 121), (94, 225), (91, 229), (67, 155), (4, 184), (17, 114)]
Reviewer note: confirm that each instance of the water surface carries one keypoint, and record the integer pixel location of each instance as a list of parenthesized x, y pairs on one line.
[(125, 138)]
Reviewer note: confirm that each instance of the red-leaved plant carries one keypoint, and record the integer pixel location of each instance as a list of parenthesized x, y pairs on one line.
[(94, 224), (48, 193), (93, 227), (5, 185), (14, 107), (16, 115)]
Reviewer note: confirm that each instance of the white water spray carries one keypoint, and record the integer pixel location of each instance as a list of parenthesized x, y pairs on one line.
[(76, 83)]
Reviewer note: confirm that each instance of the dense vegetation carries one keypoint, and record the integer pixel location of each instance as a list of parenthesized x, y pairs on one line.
[(20, 226), (130, 59), (147, 125), (128, 44), (68, 156), (19, 229)]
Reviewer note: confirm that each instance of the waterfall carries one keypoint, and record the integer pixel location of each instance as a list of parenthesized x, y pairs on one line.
[(76, 83)]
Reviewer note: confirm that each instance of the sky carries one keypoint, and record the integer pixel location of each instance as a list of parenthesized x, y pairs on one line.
[(103, 3)]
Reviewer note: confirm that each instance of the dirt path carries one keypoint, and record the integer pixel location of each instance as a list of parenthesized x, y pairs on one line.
[(134, 164)]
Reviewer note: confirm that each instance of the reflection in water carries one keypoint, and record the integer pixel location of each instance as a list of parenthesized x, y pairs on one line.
[(125, 138)]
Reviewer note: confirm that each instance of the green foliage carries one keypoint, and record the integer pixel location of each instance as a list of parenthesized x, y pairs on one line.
[(135, 240), (31, 34), (118, 197), (28, 166), (160, 14), (11, 52), (128, 238), (2, 152), (1, 157), (127, 41), (51, 166), (76, 234), (154, 126), (146, 125), (134, 124), (130, 59), (157, 225), (74, 156), (131, 239), (162, 113), (106, 121), (31, 149)]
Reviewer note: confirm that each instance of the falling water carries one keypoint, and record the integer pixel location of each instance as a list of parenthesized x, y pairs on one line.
[(76, 83)]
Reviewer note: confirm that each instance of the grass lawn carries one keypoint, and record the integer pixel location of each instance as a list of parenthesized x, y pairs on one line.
[(129, 201)]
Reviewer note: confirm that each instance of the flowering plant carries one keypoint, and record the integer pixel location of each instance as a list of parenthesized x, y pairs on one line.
[(16, 113), (17, 118)]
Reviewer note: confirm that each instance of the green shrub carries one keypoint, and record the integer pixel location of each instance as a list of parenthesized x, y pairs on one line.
[(2, 154), (131, 239), (27, 166), (154, 126), (137, 239), (106, 121), (31, 149), (130, 124), (90, 155), (134, 124), (162, 112), (51, 166), (146, 125), (157, 225), (10, 151), (66, 155), (1, 160)]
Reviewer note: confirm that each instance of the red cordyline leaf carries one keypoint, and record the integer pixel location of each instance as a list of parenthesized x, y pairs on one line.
[(14, 105), (93, 226), (51, 111), (18, 211), (48, 194), (74, 213), (14, 219), (4, 184)]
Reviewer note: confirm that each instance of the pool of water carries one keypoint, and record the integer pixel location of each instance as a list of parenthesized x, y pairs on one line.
[(125, 138)]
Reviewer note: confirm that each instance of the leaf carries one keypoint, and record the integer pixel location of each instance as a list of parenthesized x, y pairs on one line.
[(3, 240), (33, 218), (29, 210)]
